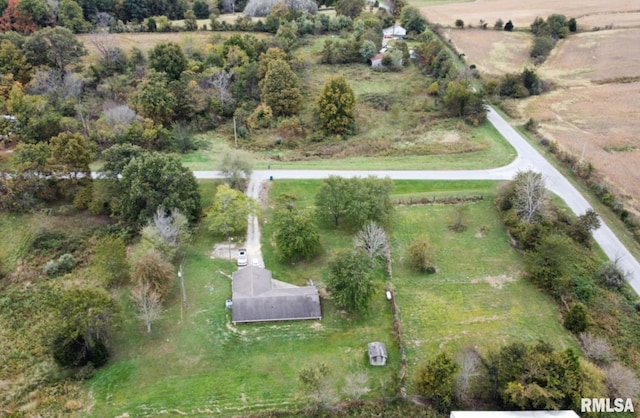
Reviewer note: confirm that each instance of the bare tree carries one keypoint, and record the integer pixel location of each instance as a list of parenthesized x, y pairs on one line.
[(148, 302), (596, 348), (168, 232), (356, 385), (621, 381), (236, 167), (105, 43), (119, 115), (373, 239), (221, 80), (471, 365), (530, 198)]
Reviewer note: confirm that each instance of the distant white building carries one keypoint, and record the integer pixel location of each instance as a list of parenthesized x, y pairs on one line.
[(513, 414), (395, 32)]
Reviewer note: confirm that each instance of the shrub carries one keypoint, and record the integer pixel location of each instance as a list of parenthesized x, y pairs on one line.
[(460, 23), (66, 263), (611, 276), (596, 348), (51, 268), (421, 257), (542, 46), (576, 319)]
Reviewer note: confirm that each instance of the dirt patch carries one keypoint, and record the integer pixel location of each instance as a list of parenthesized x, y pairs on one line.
[(495, 281), (481, 319), (225, 250), (492, 52), (615, 12)]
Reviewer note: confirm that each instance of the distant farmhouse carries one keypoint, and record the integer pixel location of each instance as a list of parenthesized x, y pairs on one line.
[(394, 32), (257, 297)]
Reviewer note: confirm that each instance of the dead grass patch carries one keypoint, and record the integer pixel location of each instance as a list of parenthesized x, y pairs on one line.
[(495, 281)]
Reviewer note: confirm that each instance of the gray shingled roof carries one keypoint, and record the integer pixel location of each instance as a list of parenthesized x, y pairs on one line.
[(259, 298), (377, 349)]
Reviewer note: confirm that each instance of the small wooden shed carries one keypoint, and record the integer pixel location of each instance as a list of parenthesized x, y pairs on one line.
[(377, 354)]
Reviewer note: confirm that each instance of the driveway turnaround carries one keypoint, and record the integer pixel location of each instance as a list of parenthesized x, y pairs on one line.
[(528, 159)]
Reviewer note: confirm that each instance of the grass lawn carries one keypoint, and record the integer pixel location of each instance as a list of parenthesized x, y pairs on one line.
[(477, 297), (196, 361)]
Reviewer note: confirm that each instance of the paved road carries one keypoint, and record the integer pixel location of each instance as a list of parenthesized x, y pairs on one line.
[(528, 158)]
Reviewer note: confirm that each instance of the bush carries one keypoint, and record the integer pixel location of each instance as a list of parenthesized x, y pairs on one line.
[(542, 47), (576, 319), (460, 23), (420, 256), (611, 276)]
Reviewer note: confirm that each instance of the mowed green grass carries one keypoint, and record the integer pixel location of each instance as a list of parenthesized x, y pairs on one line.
[(197, 362), (477, 297)]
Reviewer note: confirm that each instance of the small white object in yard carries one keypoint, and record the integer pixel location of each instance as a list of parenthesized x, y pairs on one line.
[(210, 288), (388, 295)]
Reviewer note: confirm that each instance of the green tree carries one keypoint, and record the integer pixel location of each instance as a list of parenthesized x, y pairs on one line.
[(456, 97), (460, 23), (13, 62), (368, 50), (190, 22), (83, 320), (370, 201), (201, 9), (37, 119), (117, 157), (70, 16), (332, 200), (337, 106), (54, 47), (281, 89), (70, 156), (268, 57), (412, 20), (351, 8), (350, 280), (229, 214), (168, 58), (236, 167), (38, 10), (436, 381), (155, 180), (154, 99), (109, 261), (296, 234)]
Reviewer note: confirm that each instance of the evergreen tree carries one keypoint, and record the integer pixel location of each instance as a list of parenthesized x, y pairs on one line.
[(281, 90), (337, 106)]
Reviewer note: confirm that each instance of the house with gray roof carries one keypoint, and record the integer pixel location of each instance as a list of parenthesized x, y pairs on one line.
[(257, 297)]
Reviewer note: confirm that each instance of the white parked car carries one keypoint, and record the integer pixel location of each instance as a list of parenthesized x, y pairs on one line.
[(243, 258)]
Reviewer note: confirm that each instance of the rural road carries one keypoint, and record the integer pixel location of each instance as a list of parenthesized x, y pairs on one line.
[(528, 158)]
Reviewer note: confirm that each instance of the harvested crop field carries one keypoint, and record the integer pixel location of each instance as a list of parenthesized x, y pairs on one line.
[(588, 12), (594, 57), (595, 109), (601, 121), (493, 52)]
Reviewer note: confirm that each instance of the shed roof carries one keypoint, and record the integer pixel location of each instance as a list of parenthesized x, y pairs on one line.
[(394, 30), (257, 297), (377, 349)]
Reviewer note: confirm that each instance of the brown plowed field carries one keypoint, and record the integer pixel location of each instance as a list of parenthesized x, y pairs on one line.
[(594, 12), (594, 108), (493, 52)]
